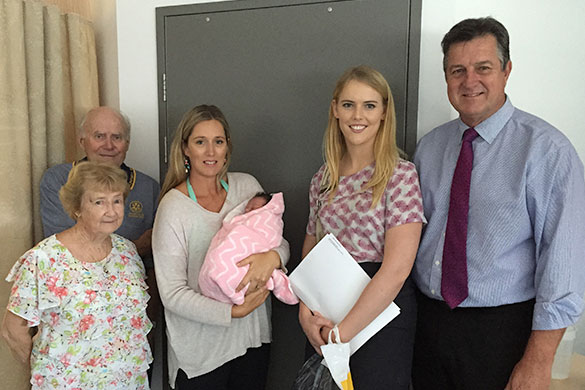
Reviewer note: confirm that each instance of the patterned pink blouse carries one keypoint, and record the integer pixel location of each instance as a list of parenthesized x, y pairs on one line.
[(91, 316), (349, 217)]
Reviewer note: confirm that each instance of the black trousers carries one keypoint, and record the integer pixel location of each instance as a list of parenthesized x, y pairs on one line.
[(247, 372), (468, 348), (384, 362)]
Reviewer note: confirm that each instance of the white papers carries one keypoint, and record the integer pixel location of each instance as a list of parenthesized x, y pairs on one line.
[(330, 281)]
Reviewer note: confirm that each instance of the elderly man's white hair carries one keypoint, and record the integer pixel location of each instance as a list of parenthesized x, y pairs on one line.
[(123, 119)]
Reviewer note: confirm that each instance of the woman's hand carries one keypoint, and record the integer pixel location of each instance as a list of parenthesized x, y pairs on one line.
[(251, 302), (325, 334), (313, 323), (261, 267), (18, 336)]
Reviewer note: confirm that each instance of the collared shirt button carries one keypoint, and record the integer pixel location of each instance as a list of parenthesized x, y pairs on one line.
[(433, 292), (437, 262)]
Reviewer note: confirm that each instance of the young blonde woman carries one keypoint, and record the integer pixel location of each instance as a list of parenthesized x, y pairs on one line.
[(369, 198), (212, 345)]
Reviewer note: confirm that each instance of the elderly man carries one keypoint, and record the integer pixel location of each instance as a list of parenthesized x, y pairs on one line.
[(104, 135), (500, 265)]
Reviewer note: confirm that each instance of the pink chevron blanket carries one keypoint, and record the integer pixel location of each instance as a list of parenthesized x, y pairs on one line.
[(257, 231)]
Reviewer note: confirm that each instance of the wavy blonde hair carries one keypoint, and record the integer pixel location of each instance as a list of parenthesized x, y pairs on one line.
[(386, 153), (176, 173)]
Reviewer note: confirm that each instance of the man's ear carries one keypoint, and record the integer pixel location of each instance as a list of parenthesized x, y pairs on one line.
[(508, 70)]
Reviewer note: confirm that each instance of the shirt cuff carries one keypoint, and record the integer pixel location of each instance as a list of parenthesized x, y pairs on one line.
[(558, 314)]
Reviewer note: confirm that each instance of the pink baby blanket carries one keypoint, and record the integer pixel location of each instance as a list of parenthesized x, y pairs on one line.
[(257, 231)]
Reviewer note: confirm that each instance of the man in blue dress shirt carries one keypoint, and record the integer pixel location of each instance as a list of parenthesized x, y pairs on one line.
[(525, 233)]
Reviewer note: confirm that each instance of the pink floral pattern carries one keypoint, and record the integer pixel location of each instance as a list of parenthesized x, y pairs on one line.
[(349, 217), (91, 317)]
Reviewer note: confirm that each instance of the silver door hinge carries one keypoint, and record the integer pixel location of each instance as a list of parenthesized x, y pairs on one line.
[(164, 86), (166, 150)]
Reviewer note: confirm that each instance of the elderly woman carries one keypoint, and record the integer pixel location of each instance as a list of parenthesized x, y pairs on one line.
[(211, 345), (84, 290)]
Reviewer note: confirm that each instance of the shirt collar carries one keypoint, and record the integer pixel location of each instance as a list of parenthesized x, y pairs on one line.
[(491, 127), (130, 173)]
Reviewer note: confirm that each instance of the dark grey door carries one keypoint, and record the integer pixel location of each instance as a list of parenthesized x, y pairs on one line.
[(271, 67)]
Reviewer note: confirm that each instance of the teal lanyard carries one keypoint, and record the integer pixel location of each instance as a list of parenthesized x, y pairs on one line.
[(192, 193)]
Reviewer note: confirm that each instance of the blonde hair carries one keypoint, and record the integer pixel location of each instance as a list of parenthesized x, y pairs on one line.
[(89, 175), (386, 153), (176, 173)]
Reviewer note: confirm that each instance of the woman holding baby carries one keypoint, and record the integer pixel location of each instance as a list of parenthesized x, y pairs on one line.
[(211, 344)]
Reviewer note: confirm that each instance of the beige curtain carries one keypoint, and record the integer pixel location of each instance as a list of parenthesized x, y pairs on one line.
[(48, 79)]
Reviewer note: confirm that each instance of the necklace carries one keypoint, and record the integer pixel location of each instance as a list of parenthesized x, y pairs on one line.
[(192, 193)]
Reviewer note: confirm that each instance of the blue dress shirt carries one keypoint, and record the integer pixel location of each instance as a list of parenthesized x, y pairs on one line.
[(526, 229)]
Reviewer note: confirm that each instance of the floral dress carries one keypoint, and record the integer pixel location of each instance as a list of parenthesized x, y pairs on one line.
[(91, 317)]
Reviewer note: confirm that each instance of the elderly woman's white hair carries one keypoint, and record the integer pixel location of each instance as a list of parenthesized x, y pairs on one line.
[(89, 175)]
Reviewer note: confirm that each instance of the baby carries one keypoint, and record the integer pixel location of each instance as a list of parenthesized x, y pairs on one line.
[(257, 230), (259, 200)]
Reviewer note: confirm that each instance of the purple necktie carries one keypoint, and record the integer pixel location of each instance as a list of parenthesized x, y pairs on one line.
[(454, 270)]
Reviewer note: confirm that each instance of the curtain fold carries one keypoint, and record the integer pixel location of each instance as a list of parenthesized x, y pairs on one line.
[(36, 98), (48, 74), (15, 193)]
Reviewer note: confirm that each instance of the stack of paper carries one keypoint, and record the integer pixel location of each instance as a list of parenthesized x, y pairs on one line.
[(330, 281)]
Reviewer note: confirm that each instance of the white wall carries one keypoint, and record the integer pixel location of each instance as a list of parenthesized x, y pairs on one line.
[(104, 23)]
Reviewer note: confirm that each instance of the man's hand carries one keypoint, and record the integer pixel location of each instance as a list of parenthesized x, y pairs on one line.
[(531, 375), (533, 371)]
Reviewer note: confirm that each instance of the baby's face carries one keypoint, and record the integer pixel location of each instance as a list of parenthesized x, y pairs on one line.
[(255, 203)]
